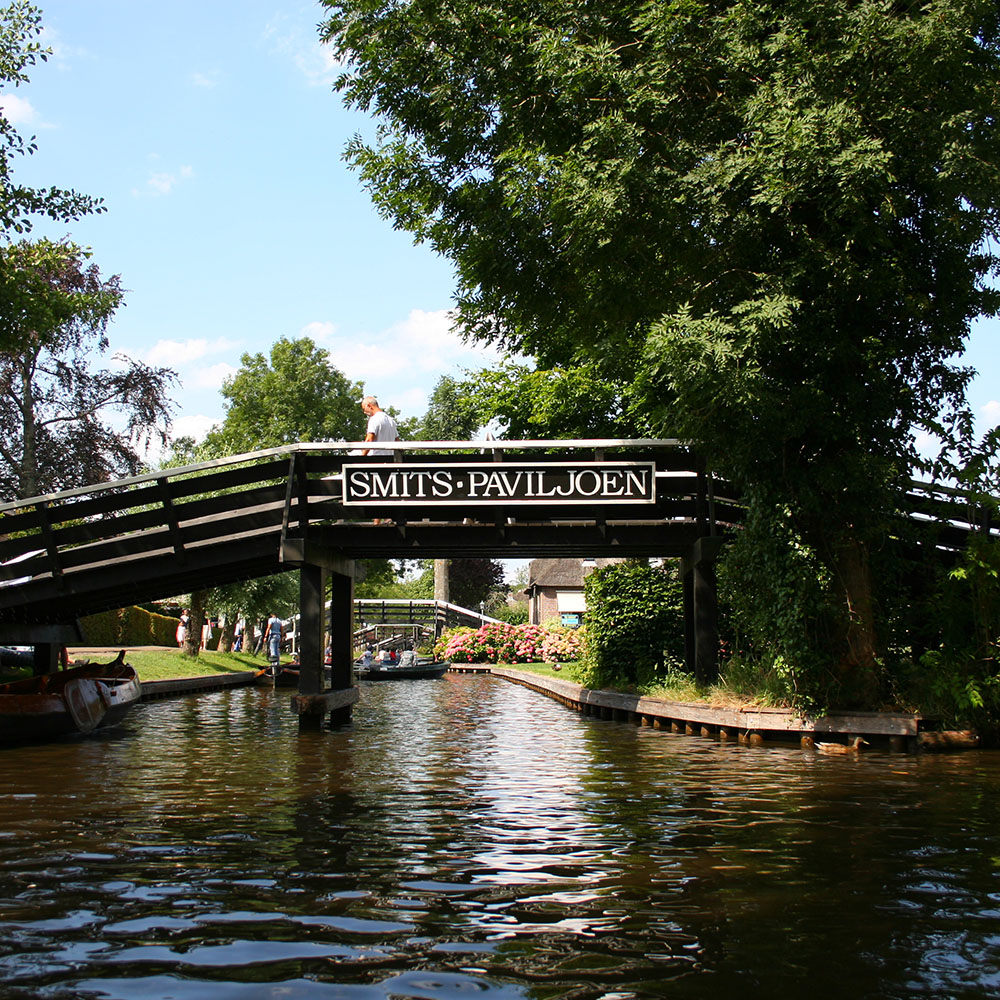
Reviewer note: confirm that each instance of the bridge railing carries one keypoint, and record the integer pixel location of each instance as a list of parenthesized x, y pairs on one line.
[(177, 529), (222, 520)]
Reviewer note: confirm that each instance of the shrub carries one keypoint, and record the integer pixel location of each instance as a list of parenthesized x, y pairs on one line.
[(129, 627), (499, 642), (635, 625)]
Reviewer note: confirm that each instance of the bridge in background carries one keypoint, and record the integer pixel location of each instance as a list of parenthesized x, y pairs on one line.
[(320, 507)]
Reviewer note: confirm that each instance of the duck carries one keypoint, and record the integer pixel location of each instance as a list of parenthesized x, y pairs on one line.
[(853, 747)]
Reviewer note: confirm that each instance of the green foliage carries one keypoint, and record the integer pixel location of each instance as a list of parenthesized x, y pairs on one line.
[(978, 576), (67, 422), (515, 613), (471, 581), (560, 402), (779, 595), (450, 415), (779, 218), (959, 691), (127, 627), (20, 27), (254, 600), (635, 625), (296, 395)]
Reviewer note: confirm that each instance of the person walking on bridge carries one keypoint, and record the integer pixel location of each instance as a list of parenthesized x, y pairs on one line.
[(381, 427)]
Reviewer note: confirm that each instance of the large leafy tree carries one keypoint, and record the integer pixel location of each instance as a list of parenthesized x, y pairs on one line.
[(294, 395), (450, 415), (777, 216), (66, 421), (20, 26), (578, 401)]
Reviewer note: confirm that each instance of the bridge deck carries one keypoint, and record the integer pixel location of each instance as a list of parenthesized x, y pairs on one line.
[(71, 554)]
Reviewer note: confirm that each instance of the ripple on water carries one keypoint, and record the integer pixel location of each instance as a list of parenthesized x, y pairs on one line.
[(467, 837)]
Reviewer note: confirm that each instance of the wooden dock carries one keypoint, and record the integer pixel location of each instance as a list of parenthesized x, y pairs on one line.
[(897, 731)]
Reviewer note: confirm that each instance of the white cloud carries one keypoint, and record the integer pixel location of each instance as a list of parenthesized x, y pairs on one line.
[(212, 377), (207, 80), (298, 42), (180, 352), (425, 342), (18, 111), (163, 182), (196, 426), (61, 52), (319, 333), (402, 364), (991, 412)]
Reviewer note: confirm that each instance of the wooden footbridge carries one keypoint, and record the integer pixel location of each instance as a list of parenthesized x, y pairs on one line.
[(320, 507)]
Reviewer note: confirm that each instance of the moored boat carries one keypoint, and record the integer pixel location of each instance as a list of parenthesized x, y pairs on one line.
[(69, 702), (376, 670), (287, 675)]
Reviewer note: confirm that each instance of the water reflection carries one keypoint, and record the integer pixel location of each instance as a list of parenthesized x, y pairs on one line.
[(469, 836)]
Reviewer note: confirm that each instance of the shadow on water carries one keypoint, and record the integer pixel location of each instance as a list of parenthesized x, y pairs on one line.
[(468, 837)]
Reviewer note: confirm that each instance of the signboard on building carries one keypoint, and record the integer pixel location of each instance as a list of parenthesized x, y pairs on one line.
[(490, 483)]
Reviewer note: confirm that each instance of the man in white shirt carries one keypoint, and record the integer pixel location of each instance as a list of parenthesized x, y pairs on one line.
[(381, 427)]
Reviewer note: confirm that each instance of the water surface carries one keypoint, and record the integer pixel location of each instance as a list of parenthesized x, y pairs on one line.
[(468, 838)]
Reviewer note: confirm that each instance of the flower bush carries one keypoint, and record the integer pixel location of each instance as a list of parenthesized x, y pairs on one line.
[(500, 642)]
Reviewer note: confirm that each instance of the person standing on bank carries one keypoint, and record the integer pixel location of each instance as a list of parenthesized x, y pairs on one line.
[(381, 427), (274, 640)]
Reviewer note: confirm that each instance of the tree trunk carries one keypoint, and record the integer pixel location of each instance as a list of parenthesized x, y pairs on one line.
[(442, 589), (28, 473), (226, 637), (192, 644), (859, 659)]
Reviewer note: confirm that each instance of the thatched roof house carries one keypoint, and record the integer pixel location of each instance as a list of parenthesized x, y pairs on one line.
[(555, 589)]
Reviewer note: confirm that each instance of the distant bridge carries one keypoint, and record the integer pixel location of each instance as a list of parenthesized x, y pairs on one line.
[(319, 507)]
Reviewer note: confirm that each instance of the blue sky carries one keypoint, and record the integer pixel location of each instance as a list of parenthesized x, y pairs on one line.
[(213, 134)]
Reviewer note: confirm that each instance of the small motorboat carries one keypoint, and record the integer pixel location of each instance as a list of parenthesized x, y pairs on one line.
[(69, 702), (416, 668)]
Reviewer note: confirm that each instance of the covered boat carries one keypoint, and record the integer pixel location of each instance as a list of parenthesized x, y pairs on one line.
[(69, 702)]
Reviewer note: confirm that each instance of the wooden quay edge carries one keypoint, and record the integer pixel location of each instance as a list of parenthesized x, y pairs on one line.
[(709, 719), (178, 686)]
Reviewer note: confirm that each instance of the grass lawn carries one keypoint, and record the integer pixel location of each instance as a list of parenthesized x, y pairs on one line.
[(563, 670), (167, 664)]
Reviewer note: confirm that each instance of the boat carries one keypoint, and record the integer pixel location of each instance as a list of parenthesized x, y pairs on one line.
[(418, 669), (287, 675), (69, 702)]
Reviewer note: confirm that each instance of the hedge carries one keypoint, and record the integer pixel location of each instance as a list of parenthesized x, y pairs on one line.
[(131, 627)]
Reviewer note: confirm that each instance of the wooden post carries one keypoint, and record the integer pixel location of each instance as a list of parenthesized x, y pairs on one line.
[(701, 611), (706, 624), (312, 591), (46, 658), (341, 644)]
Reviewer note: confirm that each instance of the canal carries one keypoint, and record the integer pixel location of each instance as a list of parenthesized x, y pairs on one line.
[(468, 837)]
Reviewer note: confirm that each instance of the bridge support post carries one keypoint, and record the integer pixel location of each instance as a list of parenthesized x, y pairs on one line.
[(341, 641), (701, 613), (312, 590)]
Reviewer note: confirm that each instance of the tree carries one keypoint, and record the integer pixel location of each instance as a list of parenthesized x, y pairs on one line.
[(297, 395), (777, 216), (254, 601), (449, 416), (56, 409), (472, 581), (20, 26), (561, 402)]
